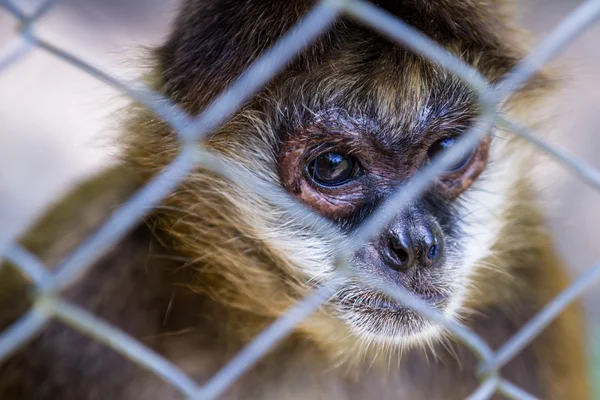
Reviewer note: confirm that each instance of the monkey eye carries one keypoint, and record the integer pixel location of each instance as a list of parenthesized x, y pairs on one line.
[(333, 169), (445, 144)]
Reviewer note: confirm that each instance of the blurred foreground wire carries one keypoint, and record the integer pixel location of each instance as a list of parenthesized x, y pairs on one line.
[(48, 303)]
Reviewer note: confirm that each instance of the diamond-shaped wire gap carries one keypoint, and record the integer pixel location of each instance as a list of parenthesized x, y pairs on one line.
[(261, 71), (118, 340), (313, 14), (66, 55)]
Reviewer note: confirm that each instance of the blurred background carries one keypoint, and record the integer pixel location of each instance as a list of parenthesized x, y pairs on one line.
[(56, 125)]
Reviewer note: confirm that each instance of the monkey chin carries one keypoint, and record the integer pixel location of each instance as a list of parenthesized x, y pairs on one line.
[(377, 319)]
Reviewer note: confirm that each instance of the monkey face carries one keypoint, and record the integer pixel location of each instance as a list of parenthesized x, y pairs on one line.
[(342, 138), (344, 166)]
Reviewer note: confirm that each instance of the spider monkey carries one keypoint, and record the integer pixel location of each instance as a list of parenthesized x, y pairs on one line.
[(348, 121)]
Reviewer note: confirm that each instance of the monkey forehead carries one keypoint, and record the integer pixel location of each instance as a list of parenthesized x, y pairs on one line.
[(395, 98)]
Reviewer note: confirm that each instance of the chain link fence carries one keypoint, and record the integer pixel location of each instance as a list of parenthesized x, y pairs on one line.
[(49, 305)]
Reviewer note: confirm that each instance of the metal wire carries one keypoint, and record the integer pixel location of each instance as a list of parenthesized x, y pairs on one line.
[(266, 340), (120, 341), (48, 304)]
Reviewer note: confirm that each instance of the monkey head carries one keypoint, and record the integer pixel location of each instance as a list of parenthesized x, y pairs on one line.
[(343, 156), (352, 119)]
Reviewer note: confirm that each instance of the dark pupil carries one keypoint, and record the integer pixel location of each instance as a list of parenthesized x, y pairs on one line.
[(332, 168), (445, 144)]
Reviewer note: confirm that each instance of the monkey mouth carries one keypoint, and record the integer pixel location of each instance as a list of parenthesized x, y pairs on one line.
[(378, 315), (373, 300)]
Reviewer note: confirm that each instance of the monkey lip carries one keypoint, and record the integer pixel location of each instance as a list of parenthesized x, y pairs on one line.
[(373, 313), (373, 300), (431, 299)]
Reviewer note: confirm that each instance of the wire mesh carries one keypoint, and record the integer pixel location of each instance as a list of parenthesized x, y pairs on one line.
[(49, 305)]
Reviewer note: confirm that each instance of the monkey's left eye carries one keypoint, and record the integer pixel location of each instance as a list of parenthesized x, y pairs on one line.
[(333, 169), (445, 144)]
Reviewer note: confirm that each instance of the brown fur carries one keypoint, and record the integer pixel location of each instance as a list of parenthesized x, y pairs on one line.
[(216, 262)]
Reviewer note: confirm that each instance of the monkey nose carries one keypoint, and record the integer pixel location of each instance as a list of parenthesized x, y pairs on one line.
[(414, 245)]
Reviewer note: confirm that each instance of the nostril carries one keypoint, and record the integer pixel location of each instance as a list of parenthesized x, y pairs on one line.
[(402, 255), (399, 254)]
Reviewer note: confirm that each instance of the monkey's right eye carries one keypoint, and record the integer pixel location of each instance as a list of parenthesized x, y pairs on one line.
[(333, 169)]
